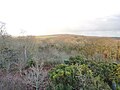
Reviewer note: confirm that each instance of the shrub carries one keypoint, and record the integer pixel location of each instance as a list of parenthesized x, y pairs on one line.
[(80, 73)]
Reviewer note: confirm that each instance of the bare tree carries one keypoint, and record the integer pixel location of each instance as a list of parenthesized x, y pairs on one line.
[(35, 76)]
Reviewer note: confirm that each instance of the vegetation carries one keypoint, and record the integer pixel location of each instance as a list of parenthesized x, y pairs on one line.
[(59, 62), (85, 75)]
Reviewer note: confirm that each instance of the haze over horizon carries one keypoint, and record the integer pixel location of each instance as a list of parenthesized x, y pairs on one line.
[(47, 17)]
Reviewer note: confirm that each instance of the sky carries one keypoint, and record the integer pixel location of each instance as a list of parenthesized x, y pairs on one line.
[(46, 17)]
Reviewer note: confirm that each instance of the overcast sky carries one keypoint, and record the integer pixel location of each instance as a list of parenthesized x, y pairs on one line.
[(43, 17)]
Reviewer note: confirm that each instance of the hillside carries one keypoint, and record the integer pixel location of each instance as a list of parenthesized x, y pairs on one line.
[(26, 58), (89, 46)]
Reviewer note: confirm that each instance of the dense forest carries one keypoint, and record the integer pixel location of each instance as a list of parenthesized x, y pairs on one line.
[(59, 62)]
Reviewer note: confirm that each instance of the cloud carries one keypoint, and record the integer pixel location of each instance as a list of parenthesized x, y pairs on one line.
[(107, 26), (40, 17)]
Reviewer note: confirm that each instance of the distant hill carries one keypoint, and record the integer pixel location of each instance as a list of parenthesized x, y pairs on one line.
[(74, 36)]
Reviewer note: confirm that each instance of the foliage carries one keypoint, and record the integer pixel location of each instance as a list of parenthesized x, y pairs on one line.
[(93, 69), (31, 63), (75, 76), (87, 74)]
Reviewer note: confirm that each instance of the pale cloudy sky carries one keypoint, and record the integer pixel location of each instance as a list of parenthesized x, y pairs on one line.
[(43, 17)]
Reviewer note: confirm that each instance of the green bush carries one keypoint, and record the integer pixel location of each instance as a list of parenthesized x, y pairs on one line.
[(75, 77), (31, 63), (80, 73)]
